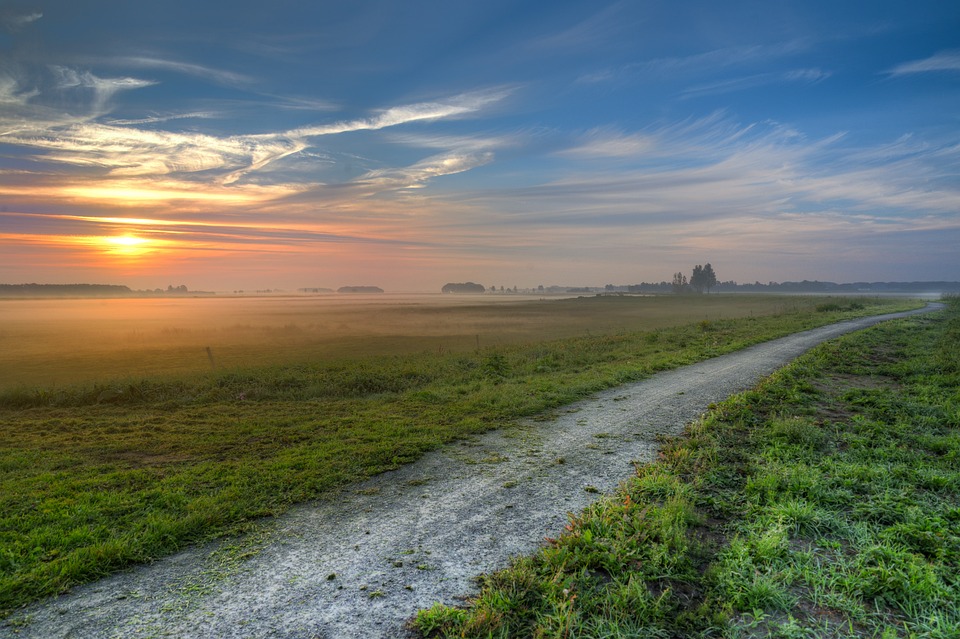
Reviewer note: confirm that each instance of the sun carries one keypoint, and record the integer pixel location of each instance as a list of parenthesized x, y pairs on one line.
[(129, 245), (126, 240)]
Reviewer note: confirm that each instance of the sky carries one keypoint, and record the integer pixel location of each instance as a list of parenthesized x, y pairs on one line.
[(253, 145)]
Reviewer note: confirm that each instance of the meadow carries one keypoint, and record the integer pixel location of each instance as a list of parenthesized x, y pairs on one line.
[(823, 503), (62, 342), (122, 443)]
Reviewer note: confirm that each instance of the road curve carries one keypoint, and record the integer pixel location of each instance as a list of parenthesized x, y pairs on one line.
[(362, 563)]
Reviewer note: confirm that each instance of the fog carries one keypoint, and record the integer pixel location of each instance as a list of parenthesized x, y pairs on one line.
[(63, 341), (55, 342)]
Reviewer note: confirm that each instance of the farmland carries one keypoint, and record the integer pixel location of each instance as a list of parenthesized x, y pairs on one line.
[(113, 465)]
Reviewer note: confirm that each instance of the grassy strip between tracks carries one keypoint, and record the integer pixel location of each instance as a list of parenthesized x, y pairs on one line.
[(822, 504), (94, 478)]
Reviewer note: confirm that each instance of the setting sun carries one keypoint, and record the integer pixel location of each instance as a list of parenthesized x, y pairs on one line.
[(129, 245)]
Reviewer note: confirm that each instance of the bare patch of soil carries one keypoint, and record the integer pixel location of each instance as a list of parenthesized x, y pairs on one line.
[(833, 386)]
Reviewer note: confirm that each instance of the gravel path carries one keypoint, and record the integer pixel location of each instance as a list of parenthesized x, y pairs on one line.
[(362, 563)]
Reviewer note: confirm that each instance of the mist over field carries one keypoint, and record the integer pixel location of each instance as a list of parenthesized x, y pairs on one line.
[(66, 341)]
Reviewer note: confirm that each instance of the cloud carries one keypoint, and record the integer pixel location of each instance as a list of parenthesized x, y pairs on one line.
[(416, 175), (391, 117), (218, 76), (11, 21), (599, 29), (811, 76), (196, 115), (942, 61), (714, 59), (10, 93), (456, 106), (123, 150), (293, 103), (70, 79), (693, 177), (610, 143), (806, 76), (707, 61), (103, 88), (183, 235), (462, 142)]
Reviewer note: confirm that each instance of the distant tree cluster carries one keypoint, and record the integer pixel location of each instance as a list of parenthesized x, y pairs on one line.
[(463, 287), (703, 278), (359, 289), (91, 290), (679, 282), (816, 286), (64, 290)]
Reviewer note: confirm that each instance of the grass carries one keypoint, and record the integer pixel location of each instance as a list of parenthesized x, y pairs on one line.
[(97, 476), (48, 343), (822, 504)]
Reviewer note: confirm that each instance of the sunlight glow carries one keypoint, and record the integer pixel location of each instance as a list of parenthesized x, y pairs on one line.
[(126, 240), (126, 245)]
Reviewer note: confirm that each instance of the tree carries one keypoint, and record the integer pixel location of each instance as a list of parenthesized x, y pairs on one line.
[(696, 278), (463, 287), (703, 278), (679, 282), (709, 277)]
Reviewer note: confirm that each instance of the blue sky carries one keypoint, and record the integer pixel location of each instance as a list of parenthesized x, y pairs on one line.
[(250, 145)]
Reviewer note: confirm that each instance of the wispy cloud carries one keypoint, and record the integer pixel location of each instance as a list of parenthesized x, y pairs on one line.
[(811, 76), (805, 76), (597, 30), (10, 20), (157, 119), (103, 88), (295, 103), (711, 171), (171, 164), (453, 107), (11, 93), (942, 61), (219, 76), (416, 175), (713, 60), (610, 143)]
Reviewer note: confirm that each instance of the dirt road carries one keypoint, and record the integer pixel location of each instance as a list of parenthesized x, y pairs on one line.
[(363, 562)]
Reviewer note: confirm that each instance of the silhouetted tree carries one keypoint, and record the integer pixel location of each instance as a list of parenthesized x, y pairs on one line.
[(679, 282), (696, 278), (463, 287), (703, 278), (709, 277)]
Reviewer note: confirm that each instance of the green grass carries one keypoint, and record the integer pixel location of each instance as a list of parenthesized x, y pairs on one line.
[(48, 343), (822, 504), (98, 476)]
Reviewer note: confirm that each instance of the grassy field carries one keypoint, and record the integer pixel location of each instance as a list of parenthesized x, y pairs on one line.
[(62, 342), (822, 504), (99, 475)]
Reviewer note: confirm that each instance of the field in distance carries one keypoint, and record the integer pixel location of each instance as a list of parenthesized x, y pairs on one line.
[(148, 450), (69, 341)]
